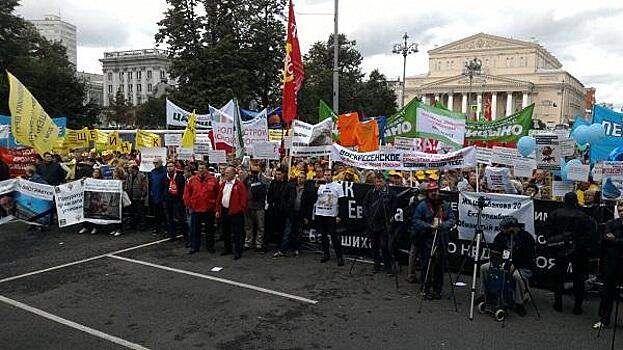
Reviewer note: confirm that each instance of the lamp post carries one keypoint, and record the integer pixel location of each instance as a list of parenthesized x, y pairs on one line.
[(405, 48), (472, 68)]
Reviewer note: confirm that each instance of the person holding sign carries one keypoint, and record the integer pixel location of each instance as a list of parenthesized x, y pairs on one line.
[(330, 199)]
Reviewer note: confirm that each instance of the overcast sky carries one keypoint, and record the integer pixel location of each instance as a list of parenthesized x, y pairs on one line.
[(585, 36)]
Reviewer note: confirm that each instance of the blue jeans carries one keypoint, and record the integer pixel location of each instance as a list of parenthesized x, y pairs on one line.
[(291, 233)]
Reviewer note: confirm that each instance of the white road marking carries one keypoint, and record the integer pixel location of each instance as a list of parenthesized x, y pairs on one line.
[(68, 323), (80, 261), (217, 279)]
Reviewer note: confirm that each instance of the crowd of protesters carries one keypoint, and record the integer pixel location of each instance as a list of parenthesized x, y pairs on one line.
[(261, 204)]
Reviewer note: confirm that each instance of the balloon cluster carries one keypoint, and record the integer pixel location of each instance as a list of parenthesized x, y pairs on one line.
[(585, 134)]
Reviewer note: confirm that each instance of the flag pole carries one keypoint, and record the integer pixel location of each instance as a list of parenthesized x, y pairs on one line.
[(336, 53)]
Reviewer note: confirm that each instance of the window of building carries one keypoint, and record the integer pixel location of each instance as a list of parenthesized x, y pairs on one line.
[(121, 75), (130, 87), (162, 74), (139, 87), (447, 64), (148, 74), (130, 75), (110, 87), (130, 98), (149, 87), (109, 75), (139, 100), (139, 74)]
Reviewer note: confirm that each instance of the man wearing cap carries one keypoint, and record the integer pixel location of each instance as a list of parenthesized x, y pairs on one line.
[(517, 246), (395, 178), (432, 217)]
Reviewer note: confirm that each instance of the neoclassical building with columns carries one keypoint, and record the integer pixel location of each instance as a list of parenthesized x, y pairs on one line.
[(514, 74)]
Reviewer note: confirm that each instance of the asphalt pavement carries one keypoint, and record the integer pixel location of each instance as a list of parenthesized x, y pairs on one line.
[(133, 291)]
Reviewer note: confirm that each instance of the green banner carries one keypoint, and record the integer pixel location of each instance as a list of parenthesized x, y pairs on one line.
[(509, 129), (324, 112), (402, 123)]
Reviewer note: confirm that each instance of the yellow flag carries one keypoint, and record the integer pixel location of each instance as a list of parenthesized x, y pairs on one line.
[(126, 147), (114, 141), (77, 138), (60, 147), (188, 139), (146, 139), (30, 124), (101, 139)]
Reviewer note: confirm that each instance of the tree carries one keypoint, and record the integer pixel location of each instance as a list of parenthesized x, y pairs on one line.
[(42, 66), (120, 111), (372, 97), (234, 50), (151, 114)]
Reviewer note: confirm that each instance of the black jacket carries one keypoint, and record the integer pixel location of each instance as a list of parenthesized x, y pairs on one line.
[(83, 170), (279, 196), (524, 251), (52, 173), (573, 222), (613, 255), (378, 208), (308, 199), (180, 181)]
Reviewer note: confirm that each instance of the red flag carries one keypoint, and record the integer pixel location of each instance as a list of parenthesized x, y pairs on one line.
[(292, 70)]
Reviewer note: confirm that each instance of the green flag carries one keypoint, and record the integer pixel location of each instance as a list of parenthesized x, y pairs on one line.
[(324, 112), (402, 123), (509, 129)]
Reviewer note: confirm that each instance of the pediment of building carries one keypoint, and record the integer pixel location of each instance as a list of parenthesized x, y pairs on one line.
[(481, 42), (491, 81)]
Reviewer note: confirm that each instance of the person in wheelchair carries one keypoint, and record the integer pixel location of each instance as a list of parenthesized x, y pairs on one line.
[(513, 250)]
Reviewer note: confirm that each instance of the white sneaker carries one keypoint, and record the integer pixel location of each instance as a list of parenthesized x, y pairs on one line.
[(599, 324), (117, 233), (82, 231), (93, 231), (112, 233)]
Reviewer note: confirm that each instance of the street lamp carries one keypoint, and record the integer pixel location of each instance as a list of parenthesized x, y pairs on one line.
[(405, 48), (471, 69)]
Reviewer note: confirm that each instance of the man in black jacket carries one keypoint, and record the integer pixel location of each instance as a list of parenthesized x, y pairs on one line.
[(51, 171), (172, 189), (613, 267), (278, 197), (378, 207), (517, 246), (569, 232), (257, 185)]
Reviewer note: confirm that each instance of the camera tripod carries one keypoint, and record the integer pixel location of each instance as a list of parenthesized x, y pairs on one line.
[(618, 289), (437, 248)]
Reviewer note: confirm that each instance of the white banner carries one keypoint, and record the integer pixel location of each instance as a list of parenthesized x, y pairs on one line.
[(7, 186), (69, 199), (102, 201), (496, 207), (612, 181), (578, 172), (547, 152), (217, 156), (223, 125), (499, 178), (177, 116), (312, 140), (404, 160), (185, 153), (448, 129), (255, 130), (266, 150), (148, 155), (172, 139), (32, 202), (5, 130), (416, 144)]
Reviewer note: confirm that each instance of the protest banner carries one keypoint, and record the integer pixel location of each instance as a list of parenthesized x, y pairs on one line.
[(497, 206), (578, 172), (484, 155), (69, 200), (612, 181), (255, 130), (404, 160), (223, 127), (185, 153), (312, 140), (102, 201), (505, 130), (560, 188), (173, 139), (77, 138), (416, 144), (217, 156), (440, 124), (547, 152), (146, 139), (176, 116), (148, 155), (499, 179), (18, 159), (613, 125), (30, 124), (32, 202), (266, 150)]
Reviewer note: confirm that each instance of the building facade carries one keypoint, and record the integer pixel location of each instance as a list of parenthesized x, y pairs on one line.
[(513, 74), (94, 87), (136, 73), (54, 29)]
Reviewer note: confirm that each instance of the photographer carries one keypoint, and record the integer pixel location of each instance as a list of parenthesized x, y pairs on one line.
[(433, 217), (569, 232), (518, 245), (378, 206), (613, 263)]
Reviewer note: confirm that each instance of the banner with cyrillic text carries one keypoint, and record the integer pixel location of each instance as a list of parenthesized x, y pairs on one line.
[(69, 200), (177, 116), (102, 201)]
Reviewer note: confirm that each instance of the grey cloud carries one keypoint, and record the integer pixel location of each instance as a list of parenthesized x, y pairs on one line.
[(379, 37)]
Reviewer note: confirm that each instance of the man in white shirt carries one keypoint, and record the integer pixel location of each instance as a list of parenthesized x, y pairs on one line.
[(330, 197)]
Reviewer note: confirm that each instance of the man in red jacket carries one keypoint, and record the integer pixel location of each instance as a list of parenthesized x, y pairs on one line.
[(200, 196), (231, 205)]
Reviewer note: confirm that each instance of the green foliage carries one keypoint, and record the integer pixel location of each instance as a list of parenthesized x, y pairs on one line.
[(234, 50), (151, 114), (120, 112), (42, 66)]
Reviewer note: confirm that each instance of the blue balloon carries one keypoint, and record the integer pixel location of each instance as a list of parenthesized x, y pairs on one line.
[(526, 145), (563, 173), (616, 154), (574, 162), (595, 133), (581, 135)]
